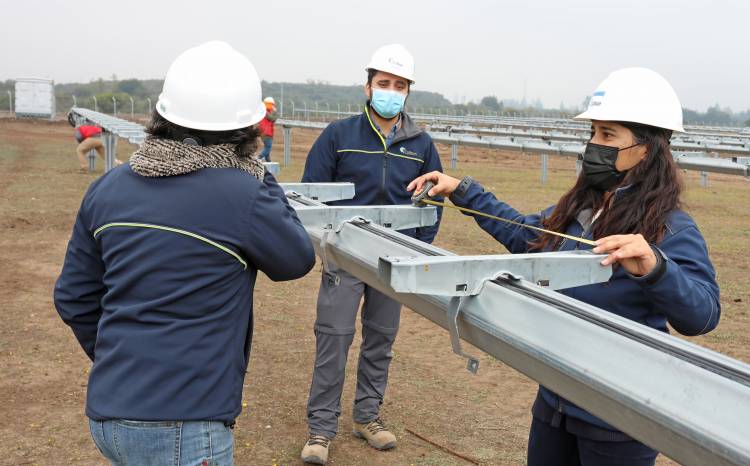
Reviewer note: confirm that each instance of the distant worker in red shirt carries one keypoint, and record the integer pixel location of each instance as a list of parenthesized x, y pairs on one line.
[(88, 137), (266, 128)]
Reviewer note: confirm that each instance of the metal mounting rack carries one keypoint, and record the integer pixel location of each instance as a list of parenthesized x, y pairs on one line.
[(688, 402)]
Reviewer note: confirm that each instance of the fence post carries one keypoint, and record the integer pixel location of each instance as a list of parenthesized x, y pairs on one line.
[(545, 162), (287, 145), (110, 151), (454, 155), (92, 160)]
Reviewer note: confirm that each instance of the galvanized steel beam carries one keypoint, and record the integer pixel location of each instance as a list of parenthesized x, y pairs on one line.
[(398, 217), (568, 149), (467, 275), (323, 192), (135, 134), (685, 401)]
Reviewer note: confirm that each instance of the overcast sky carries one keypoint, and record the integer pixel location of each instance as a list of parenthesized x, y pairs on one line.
[(463, 49)]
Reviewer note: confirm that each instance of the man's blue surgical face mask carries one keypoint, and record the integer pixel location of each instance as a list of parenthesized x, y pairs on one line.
[(387, 104)]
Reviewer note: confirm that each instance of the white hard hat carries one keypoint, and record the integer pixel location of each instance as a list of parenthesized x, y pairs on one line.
[(212, 87), (636, 95), (269, 100), (394, 59)]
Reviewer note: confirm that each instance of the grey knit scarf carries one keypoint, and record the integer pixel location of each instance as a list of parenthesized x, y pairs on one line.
[(164, 157)]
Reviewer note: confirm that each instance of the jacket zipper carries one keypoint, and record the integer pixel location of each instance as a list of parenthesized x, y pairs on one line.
[(382, 182), (584, 234), (385, 158)]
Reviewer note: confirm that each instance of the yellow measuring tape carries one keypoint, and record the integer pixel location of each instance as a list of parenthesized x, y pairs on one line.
[(482, 214)]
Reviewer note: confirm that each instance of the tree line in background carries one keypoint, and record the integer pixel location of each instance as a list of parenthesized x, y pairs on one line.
[(327, 97)]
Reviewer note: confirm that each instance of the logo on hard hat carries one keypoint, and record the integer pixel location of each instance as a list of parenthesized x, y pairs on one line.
[(596, 101), (393, 61)]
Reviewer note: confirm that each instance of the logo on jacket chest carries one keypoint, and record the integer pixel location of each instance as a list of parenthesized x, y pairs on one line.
[(403, 150)]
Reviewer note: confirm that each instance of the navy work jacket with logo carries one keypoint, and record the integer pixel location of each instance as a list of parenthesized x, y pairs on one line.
[(353, 150)]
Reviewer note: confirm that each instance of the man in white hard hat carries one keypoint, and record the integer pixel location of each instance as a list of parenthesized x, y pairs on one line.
[(380, 151), (158, 278), (266, 128)]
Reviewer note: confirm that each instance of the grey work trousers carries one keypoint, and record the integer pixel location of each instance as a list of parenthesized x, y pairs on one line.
[(338, 303)]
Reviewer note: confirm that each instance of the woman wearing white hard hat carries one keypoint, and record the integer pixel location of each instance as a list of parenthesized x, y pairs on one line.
[(159, 274), (627, 198)]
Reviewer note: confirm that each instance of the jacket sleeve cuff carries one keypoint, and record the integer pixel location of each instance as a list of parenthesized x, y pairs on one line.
[(462, 188), (657, 273)]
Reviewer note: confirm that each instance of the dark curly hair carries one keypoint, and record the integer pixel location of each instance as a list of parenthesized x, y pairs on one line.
[(655, 190), (245, 140)]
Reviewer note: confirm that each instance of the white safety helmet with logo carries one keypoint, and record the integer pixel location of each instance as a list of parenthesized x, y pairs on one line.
[(212, 87), (269, 100), (394, 59), (636, 95)]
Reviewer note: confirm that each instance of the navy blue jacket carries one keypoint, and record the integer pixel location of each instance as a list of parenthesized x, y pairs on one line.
[(686, 295), (157, 286), (353, 150)]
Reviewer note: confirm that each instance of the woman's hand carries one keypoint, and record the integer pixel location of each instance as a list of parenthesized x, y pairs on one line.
[(631, 251), (444, 184)]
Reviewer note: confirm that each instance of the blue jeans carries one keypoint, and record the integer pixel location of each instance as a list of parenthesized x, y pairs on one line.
[(267, 144), (163, 443)]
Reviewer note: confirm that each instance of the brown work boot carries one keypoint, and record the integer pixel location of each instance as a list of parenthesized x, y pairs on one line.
[(376, 434), (315, 450)]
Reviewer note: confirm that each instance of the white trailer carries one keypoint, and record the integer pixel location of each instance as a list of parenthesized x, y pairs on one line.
[(35, 98)]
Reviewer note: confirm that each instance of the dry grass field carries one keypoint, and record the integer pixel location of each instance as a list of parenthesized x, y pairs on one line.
[(44, 372)]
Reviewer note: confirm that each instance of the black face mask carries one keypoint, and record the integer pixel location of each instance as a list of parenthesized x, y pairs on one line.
[(599, 166)]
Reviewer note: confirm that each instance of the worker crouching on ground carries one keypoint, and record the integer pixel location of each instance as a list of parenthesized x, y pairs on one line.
[(380, 151), (158, 278), (628, 198), (88, 138)]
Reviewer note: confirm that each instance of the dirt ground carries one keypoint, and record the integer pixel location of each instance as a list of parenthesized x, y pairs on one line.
[(44, 372)]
